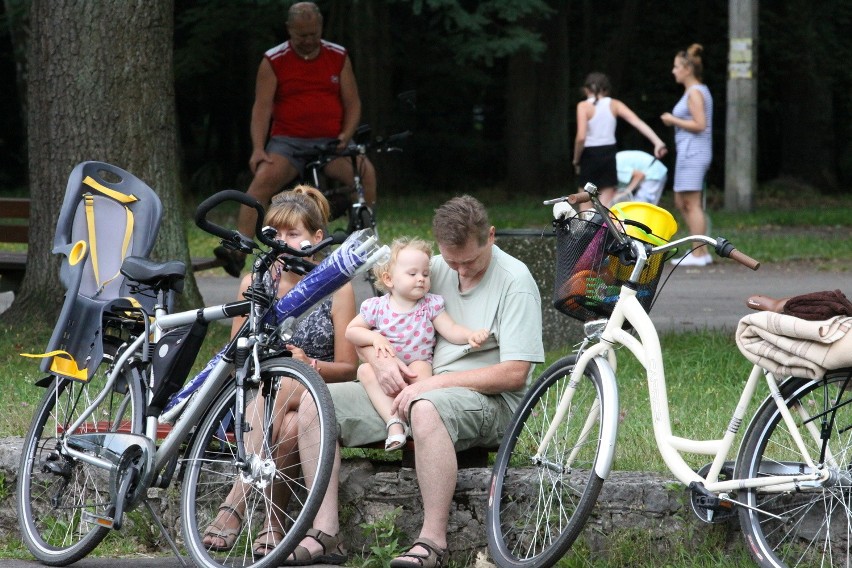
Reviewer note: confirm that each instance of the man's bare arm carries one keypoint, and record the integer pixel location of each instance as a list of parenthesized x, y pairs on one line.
[(261, 113), (389, 370), (351, 103), (507, 376)]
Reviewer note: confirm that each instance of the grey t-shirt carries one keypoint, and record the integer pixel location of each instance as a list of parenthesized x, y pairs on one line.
[(506, 302)]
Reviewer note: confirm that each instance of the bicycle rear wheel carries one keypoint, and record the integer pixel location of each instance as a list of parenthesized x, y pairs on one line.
[(272, 491), (59, 496), (815, 524), (539, 504)]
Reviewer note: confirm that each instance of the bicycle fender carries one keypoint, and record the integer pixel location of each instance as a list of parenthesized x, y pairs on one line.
[(609, 419)]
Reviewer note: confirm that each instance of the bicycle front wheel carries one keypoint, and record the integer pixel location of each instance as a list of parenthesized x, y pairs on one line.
[(265, 506), (360, 218), (805, 525), (540, 499), (59, 496)]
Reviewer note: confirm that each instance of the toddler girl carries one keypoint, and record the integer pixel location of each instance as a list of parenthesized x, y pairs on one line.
[(402, 324)]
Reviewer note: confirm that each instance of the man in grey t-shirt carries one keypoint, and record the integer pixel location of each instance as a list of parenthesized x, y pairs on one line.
[(473, 394)]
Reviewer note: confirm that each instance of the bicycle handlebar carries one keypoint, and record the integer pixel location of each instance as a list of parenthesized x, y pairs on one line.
[(577, 198), (240, 241), (329, 151), (722, 246), (726, 249), (232, 236)]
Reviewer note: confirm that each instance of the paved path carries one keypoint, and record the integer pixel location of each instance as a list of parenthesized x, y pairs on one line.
[(693, 298), (714, 297)]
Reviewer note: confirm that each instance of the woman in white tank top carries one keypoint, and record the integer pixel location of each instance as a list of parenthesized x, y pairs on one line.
[(594, 145)]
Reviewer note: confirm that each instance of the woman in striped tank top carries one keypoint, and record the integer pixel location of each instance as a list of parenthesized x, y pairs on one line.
[(692, 118)]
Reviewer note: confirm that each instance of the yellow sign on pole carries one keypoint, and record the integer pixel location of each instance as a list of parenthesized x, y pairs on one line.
[(740, 58)]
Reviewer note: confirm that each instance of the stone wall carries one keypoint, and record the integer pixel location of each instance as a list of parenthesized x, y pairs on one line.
[(538, 250), (634, 509)]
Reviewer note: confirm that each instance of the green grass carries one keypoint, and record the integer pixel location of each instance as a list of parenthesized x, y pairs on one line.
[(705, 374), (778, 229), (704, 371)]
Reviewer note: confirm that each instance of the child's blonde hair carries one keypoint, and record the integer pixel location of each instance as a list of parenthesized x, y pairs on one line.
[(383, 268)]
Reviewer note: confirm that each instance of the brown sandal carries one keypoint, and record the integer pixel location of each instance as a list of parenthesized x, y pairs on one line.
[(263, 545), (435, 558), (228, 536), (332, 551)]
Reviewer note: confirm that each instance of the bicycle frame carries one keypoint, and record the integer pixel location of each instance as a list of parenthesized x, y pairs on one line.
[(195, 408), (647, 351)]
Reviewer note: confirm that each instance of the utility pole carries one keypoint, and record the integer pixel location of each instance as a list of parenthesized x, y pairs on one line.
[(741, 122)]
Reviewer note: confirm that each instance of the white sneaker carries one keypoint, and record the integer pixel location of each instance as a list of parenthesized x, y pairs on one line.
[(692, 260)]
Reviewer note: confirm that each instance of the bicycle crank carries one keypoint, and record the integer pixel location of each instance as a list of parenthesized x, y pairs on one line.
[(129, 459)]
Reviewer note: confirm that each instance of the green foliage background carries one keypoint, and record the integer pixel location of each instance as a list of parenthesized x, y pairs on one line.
[(456, 54)]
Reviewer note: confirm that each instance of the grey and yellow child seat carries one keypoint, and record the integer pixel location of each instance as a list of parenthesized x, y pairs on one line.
[(107, 215)]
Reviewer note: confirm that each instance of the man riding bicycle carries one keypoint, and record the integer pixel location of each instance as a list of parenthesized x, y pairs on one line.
[(306, 95)]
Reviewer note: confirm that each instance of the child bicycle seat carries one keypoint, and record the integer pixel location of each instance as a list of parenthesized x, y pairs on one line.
[(107, 215)]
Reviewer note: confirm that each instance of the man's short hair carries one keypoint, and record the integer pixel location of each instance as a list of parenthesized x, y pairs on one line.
[(459, 219), (303, 10)]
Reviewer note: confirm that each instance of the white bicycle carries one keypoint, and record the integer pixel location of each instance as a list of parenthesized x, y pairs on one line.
[(791, 481)]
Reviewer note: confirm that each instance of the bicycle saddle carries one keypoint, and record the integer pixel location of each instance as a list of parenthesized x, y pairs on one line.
[(159, 275), (766, 304)]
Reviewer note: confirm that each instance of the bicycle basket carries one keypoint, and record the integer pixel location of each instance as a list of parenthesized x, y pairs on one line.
[(589, 275)]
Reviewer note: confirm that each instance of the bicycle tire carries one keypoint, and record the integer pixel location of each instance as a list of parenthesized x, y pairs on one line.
[(55, 490), (210, 472), (536, 513), (817, 526), (360, 218)]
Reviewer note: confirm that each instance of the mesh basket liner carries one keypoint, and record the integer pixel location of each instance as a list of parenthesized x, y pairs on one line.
[(589, 276)]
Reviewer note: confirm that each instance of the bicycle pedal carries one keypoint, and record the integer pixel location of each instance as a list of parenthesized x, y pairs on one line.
[(708, 507), (100, 520)]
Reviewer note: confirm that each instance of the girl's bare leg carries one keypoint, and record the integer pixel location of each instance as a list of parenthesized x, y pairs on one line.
[(690, 207), (383, 402), (283, 441)]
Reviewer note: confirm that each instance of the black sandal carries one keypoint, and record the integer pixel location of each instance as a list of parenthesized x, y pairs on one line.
[(332, 551), (435, 558)]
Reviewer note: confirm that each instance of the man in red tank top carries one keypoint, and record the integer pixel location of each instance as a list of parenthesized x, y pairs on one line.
[(305, 95)]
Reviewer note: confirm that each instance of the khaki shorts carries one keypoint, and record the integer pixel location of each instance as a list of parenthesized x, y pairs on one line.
[(472, 419)]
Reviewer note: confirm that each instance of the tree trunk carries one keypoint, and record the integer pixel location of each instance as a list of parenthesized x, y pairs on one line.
[(555, 98), (100, 87), (364, 27), (16, 20), (522, 112), (538, 111)]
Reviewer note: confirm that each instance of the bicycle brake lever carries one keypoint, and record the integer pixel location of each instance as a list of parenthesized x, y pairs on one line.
[(239, 242), (299, 265)]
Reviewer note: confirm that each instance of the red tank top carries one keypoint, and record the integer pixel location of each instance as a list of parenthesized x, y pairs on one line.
[(307, 101)]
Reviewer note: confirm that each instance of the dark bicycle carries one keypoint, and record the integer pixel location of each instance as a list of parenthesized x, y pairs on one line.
[(349, 200)]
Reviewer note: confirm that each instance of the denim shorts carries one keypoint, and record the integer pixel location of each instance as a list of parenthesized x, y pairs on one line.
[(472, 419)]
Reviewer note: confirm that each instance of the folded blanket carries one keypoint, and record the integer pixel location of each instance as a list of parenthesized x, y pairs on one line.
[(787, 345), (818, 306)]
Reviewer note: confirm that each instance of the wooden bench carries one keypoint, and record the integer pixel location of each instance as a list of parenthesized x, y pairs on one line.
[(14, 228)]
